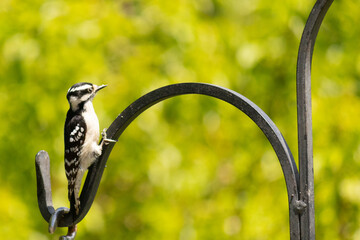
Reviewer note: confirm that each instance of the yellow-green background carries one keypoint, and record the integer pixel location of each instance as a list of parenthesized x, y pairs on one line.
[(191, 167)]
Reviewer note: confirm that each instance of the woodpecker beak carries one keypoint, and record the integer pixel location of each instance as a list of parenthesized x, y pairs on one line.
[(97, 88)]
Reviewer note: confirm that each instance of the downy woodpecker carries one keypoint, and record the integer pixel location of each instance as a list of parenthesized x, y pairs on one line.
[(81, 136)]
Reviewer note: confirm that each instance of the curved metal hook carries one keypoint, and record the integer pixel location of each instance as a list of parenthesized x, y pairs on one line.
[(115, 130), (305, 142), (55, 218), (42, 164)]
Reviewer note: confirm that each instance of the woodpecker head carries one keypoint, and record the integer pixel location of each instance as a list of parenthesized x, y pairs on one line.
[(80, 93)]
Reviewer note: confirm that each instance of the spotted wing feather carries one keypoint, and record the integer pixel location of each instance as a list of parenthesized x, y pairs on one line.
[(74, 136)]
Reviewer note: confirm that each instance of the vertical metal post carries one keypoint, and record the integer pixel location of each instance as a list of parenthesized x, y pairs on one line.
[(305, 141)]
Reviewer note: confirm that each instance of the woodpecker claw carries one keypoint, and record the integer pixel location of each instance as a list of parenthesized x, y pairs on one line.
[(105, 139)]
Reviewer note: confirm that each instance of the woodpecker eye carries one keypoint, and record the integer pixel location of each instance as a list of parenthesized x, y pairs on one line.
[(89, 90)]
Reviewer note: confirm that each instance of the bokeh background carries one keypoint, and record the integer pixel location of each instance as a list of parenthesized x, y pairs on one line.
[(191, 167)]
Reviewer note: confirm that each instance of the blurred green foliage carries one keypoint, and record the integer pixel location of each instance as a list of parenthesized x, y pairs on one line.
[(191, 167)]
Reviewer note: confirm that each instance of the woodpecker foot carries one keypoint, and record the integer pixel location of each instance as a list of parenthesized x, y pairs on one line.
[(70, 234), (105, 139)]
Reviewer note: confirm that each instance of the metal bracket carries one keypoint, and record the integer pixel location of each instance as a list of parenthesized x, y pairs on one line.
[(302, 225)]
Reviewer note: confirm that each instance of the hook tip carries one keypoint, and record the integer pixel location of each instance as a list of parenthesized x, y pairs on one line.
[(41, 156)]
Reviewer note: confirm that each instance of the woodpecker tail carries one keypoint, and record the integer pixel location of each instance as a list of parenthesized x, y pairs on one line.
[(74, 200)]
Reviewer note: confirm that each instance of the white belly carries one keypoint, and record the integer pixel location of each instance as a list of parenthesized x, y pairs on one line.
[(90, 150)]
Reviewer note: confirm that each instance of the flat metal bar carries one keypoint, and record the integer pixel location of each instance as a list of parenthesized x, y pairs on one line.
[(305, 141)]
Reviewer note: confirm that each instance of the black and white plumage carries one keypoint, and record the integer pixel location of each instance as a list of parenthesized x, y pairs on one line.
[(81, 137)]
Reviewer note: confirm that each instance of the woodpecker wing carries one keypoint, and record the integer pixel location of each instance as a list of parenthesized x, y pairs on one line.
[(74, 137)]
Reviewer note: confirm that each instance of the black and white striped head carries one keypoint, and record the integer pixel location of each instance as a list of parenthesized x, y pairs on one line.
[(80, 93)]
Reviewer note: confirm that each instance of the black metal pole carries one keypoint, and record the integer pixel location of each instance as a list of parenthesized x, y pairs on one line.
[(305, 141)]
